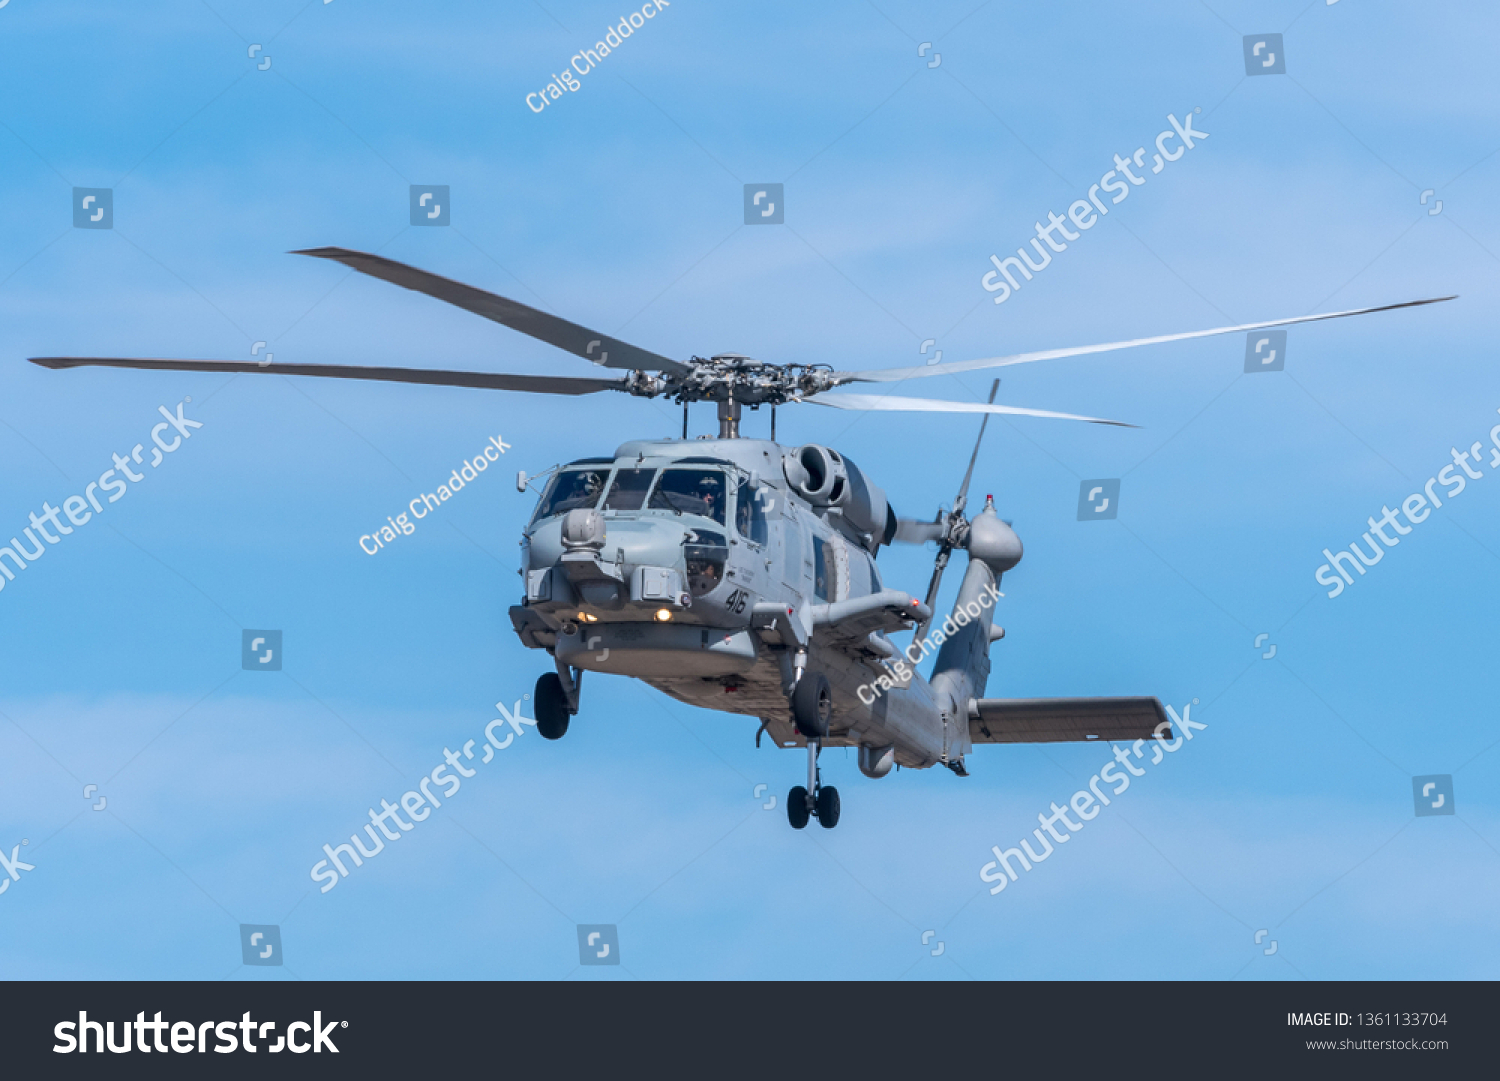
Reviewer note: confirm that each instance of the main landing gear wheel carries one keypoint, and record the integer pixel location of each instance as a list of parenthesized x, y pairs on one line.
[(828, 807), (812, 705), (797, 811), (822, 804), (550, 702)]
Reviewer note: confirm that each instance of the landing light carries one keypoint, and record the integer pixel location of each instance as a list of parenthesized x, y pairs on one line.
[(662, 615), (588, 618)]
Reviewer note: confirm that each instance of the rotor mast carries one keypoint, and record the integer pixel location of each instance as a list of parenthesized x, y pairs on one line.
[(729, 418)]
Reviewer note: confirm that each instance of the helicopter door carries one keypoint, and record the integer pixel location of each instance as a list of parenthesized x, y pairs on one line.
[(753, 523), (796, 568)]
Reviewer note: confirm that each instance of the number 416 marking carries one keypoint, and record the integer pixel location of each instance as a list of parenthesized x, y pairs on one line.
[(736, 601)]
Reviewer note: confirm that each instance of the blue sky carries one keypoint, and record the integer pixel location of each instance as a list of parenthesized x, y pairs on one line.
[(620, 207)]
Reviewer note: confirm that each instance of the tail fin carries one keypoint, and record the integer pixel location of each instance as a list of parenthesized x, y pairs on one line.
[(963, 661)]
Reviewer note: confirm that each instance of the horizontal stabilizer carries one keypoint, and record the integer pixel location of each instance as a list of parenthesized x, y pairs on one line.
[(1065, 720)]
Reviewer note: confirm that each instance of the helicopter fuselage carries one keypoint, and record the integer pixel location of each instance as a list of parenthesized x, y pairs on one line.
[(700, 568)]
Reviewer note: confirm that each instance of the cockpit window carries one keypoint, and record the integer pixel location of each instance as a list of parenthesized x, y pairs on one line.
[(750, 512), (691, 491), (571, 489), (705, 553), (628, 492)]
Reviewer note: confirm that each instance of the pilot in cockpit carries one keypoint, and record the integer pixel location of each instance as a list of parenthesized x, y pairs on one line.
[(711, 495)]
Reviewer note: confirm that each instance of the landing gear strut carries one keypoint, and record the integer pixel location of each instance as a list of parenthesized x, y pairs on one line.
[(814, 801)]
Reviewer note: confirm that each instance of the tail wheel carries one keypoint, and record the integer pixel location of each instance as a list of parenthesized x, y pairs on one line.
[(796, 807), (551, 706), (828, 807), (812, 705)]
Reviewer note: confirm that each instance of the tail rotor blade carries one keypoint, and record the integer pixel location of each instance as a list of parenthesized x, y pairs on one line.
[(954, 525), (963, 491), (911, 531)]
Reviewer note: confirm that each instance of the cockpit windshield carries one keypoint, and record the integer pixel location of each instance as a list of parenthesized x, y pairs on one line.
[(691, 491), (628, 492), (571, 489)]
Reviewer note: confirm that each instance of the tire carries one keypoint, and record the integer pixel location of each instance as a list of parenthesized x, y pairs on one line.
[(828, 807), (796, 808), (812, 705), (551, 707)]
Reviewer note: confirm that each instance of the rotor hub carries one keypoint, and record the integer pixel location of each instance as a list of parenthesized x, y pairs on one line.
[(733, 377)]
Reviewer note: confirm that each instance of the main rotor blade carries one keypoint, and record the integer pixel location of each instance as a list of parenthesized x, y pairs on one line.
[(589, 344), (536, 384), (892, 375), (892, 404)]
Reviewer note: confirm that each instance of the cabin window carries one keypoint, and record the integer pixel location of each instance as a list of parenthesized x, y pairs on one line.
[(822, 568), (691, 491), (706, 553), (628, 492), (571, 489), (750, 512)]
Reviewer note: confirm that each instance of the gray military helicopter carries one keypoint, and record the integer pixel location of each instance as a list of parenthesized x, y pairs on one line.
[(740, 575)]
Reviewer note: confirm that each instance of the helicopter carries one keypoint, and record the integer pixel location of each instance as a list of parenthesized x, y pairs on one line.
[(742, 576)]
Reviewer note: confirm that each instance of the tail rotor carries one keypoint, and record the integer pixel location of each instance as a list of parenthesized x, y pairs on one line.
[(950, 529)]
